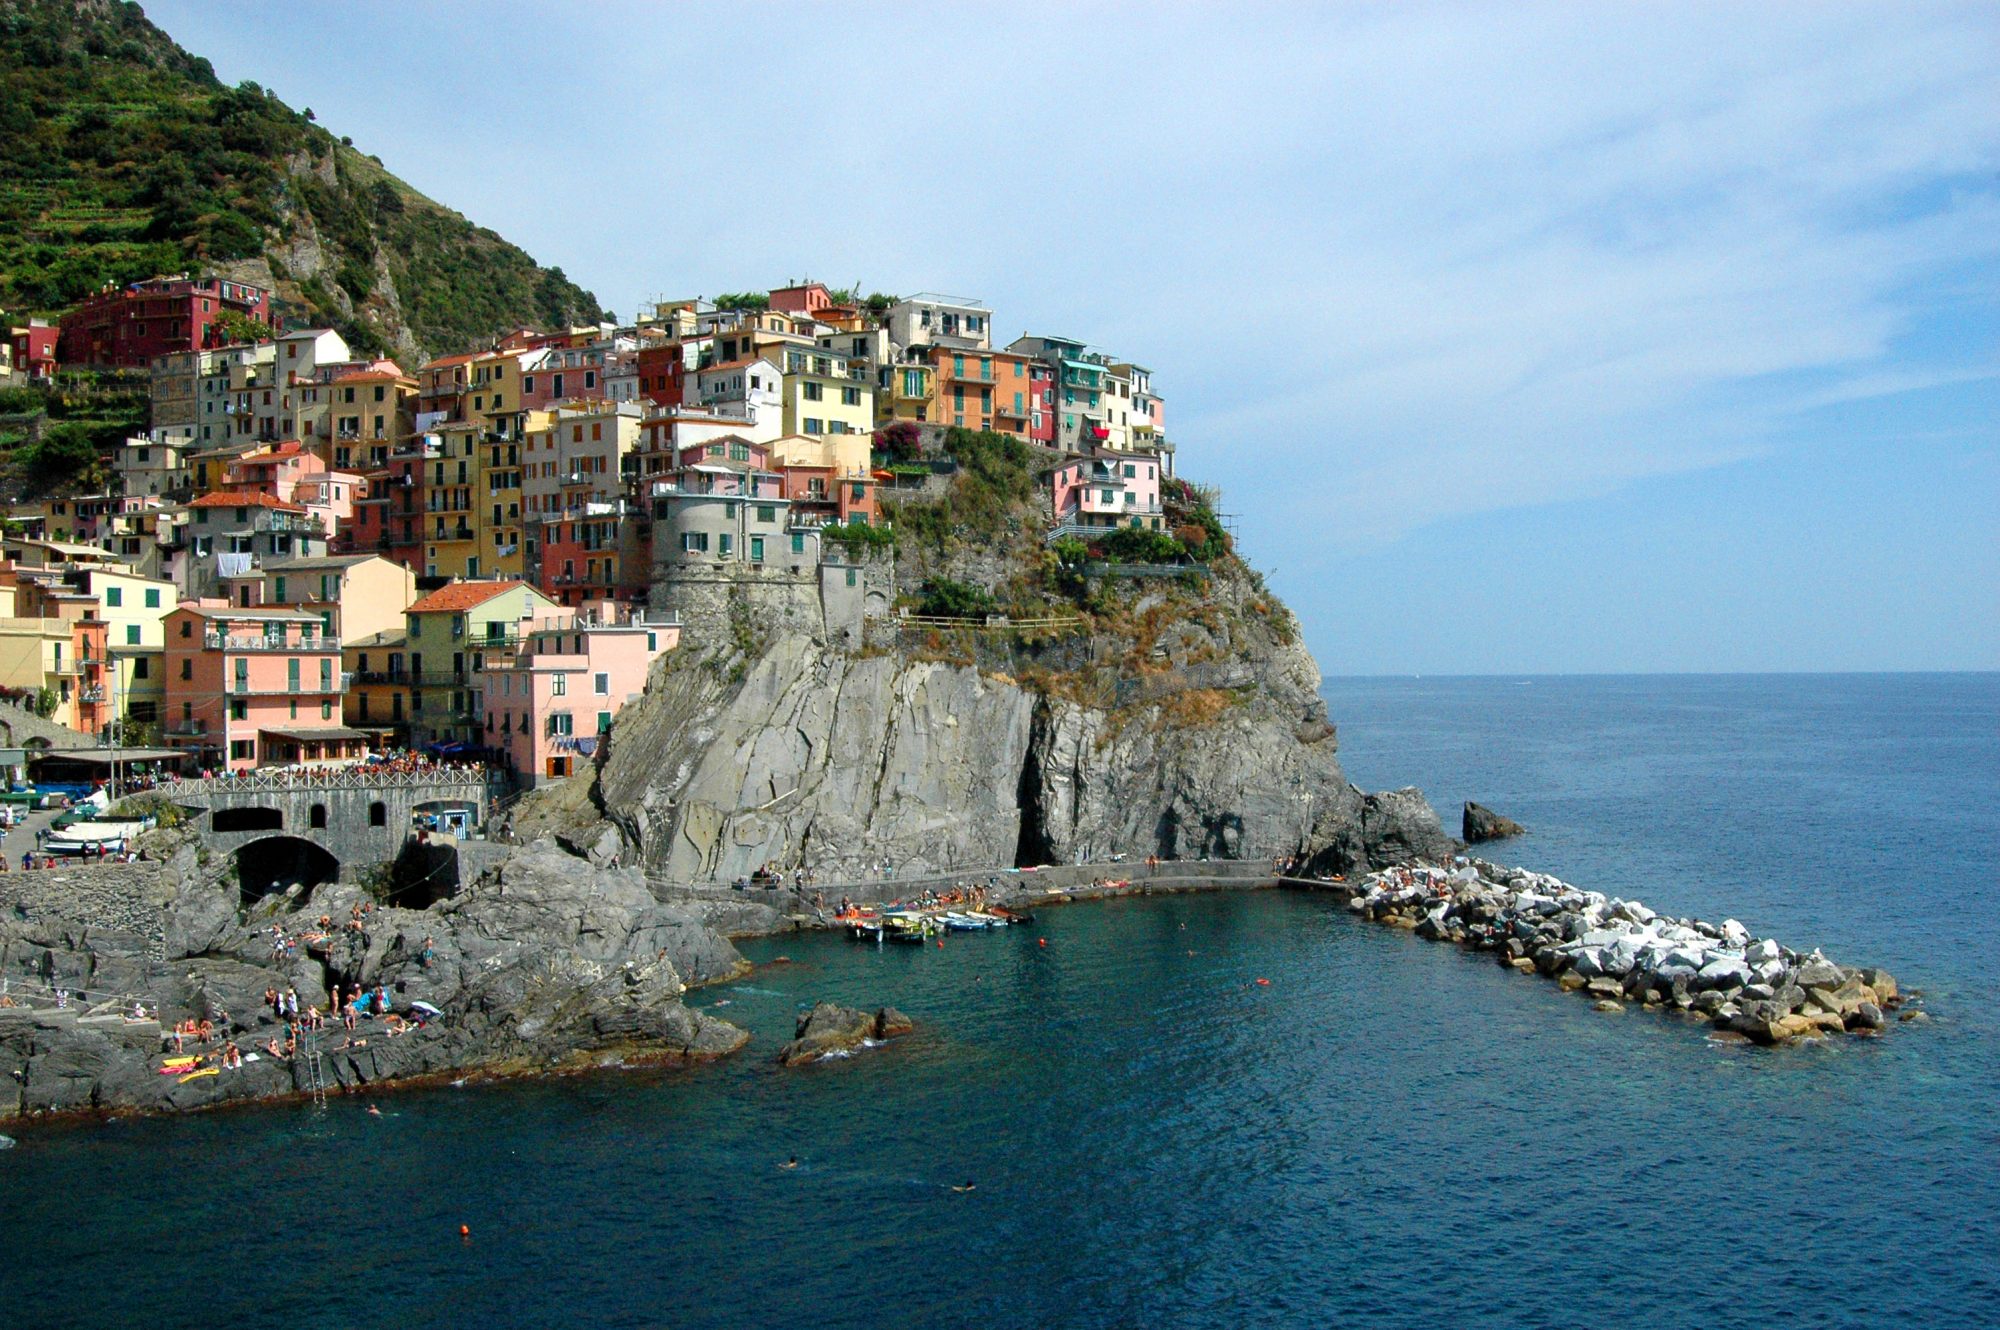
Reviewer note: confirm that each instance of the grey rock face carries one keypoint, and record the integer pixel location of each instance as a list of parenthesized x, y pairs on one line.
[(847, 762), (541, 962), (831, 1028)]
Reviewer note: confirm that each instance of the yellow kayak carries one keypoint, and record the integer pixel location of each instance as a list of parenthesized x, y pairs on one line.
[(179, 1062), (197, 1075)]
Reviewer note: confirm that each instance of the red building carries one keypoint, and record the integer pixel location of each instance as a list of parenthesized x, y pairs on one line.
[(34, 349), (663, 374), (127, 328)]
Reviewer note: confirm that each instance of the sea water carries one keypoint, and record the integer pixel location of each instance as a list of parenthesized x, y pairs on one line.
[(1386, 1133)]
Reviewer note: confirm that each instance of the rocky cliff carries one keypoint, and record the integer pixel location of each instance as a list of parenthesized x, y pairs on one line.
[(540, 963), (1184, 725)]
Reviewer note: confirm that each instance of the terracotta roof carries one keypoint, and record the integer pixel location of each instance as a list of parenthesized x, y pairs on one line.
[(445, 362), (245, 499), (462, 596)]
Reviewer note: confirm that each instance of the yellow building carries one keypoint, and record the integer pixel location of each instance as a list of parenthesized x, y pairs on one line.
[(906, 394), (823, 396), (36, 654), (378, 690), (353, 594), (450, 548), (454, 635), (134, 610)]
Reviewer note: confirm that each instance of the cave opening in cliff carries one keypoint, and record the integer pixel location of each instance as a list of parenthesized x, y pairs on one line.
[(279, 863), (1031, 844)]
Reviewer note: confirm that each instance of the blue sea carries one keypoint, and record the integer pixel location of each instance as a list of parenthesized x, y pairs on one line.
[(1387, 1133)]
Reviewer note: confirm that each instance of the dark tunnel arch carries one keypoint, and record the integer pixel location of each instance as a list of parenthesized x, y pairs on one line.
[(271, 865)]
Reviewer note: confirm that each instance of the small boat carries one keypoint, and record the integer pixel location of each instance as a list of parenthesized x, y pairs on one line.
[(1007, 916), (967, 923)]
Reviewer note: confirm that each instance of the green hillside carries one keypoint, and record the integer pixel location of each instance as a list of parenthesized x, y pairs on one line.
[(122, 156)]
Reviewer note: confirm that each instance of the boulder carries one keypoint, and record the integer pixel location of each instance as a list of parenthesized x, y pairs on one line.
[(831, 1028), (1483, 824)]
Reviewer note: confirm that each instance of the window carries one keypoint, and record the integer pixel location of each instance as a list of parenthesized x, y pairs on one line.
[(559, 723), (292, 674), (767, 512), (378, 814), (600, 684), (814, 426), (326, 676), (131, 634), (603, 721), (187, 628), (187, 669), (239, 750), (114, 597), (317, 817), (694, 542), (152, 598), (798, 542), (239, 710), (142, 668), (850, 577), (812, 392), (558, 684), (326, 711), (756, 549), (725, 544), (850, 397)]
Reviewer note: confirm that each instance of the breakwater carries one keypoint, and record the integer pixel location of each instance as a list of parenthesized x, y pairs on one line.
[(1616, 951)]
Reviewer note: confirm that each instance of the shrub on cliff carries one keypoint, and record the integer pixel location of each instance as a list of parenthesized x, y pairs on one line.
[(900, 441), (1131, 544), (946, 599)]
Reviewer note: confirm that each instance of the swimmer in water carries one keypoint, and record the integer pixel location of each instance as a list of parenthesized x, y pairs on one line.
[(793, 1162), (374, 1112), (966, 1188)]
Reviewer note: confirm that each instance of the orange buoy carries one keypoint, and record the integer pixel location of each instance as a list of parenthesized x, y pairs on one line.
[(465, 1230), (1041, 942), (1263, 983), (940, 944)]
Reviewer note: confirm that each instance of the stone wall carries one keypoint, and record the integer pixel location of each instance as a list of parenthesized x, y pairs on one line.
[(350, 834), (125, 899), (719, 603)]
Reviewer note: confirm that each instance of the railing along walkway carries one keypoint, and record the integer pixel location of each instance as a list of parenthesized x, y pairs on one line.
[(340, 778)]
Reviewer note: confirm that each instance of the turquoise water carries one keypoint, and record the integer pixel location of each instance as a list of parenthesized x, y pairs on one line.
[(1389, 1133)]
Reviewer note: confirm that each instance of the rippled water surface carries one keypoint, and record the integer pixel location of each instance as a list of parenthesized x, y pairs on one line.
[(1388, 1133)]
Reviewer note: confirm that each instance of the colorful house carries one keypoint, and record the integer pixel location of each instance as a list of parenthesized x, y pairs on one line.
[(1107, 491), (548, 709), (260, 687), (453, 636)]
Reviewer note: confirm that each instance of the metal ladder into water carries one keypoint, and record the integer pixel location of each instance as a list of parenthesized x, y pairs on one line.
[(315, 1075)]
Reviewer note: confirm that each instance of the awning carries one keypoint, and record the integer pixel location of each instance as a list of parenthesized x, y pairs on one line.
[(331, 732)]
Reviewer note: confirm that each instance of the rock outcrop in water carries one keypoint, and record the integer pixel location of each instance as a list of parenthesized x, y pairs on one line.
[(1616, 951), (830, 1028), (543, 962), (1481, 823)]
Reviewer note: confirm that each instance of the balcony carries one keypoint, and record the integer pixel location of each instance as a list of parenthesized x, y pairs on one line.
[(244, 642), (246, 688), (393, 678)]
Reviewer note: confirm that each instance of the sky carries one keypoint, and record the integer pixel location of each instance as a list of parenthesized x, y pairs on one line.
[(1524, 338)]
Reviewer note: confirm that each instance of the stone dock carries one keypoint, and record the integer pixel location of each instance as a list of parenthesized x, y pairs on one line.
[(1618, 952)]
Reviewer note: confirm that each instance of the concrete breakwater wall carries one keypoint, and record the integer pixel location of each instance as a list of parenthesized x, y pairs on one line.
[(1619, 951)]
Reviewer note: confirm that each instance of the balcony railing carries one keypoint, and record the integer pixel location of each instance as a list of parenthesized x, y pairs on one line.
[(254, 688), (398, 678), (238, 642)]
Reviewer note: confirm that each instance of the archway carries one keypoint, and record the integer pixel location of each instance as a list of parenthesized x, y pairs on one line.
[(277, 863), (254, 818)]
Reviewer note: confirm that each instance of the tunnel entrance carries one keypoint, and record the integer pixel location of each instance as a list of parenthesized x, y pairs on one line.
[(273, 866)]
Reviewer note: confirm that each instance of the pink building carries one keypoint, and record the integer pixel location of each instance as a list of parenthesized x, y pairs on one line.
[(553, 705), (277, 471), (250, 688), (1108, 490)]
